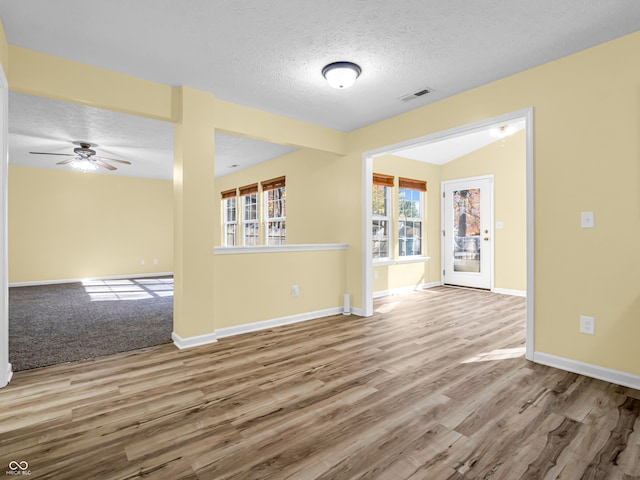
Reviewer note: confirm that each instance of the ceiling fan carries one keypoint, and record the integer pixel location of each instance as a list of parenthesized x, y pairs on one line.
[(85, 159)]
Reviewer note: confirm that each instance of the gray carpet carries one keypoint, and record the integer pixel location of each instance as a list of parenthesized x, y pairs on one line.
[(53, 324)]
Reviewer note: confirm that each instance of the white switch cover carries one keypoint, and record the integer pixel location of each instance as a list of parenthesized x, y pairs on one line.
[(499, 225), (587, 325), (295, 291), (587, 220)]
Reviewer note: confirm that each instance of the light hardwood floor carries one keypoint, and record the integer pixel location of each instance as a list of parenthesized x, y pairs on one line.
[(433, 386)]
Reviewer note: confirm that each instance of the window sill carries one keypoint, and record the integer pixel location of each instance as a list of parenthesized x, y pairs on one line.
[(313, 247), (400, 261), (416, 259), (383, 262)]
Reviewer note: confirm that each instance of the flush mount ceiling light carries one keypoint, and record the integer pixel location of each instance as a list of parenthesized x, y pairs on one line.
[(341, 74)]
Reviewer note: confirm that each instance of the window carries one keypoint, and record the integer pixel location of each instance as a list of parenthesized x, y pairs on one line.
[(411, 216), (229, 216), (249, 215), (381, 215), (275, 211)]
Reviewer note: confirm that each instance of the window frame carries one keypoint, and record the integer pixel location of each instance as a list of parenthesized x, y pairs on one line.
[(268, 190), (250, 222), (226, 222), (386, 182), (403, 237)]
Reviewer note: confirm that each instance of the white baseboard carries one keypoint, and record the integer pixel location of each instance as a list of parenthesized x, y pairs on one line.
[(9, 374), (190, 342), (276, 322), (403, 290), (506, 291), (209, 338), (588, 370), (357, 311), (79, 280)]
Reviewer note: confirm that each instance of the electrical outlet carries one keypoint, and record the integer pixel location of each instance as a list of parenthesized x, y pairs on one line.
[(375, 274), (141, 262), (587, 325), (295, 291), (155, 261), (587, 220)]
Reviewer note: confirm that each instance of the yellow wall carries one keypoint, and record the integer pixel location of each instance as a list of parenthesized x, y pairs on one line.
[(586, 126), (505, 159), (193, 213), (403, 275), (257, 286), (586, 146), (69, 225), (196, 114), (71, 81), (314, 194)]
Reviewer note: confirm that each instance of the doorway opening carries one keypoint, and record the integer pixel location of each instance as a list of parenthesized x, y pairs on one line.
[(467, 246), (525, 116)]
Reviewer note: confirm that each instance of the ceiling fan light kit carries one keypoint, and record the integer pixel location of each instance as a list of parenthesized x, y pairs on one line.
[(85, 158), (83, 164)]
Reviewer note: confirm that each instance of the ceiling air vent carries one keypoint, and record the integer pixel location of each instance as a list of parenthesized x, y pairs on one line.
[(413, 96)]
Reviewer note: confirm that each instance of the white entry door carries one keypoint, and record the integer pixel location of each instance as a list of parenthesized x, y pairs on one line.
[(467, 233)]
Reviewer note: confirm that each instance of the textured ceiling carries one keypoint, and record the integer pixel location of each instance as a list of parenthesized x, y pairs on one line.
[(43, 125), (269, 54)]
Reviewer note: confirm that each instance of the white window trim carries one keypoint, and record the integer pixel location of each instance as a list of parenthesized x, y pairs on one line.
[(413, 219), (246, 222), (389, 219), (226, 222), (412, 259), (267, 219), (315, 247)]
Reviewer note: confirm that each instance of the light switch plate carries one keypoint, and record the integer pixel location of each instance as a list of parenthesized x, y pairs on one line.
[(587, 325), (587, 220), (499, 225)]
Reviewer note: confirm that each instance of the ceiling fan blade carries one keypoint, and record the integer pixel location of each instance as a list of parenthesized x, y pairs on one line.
[(105, 164), (126, 162), (64, 162), (63, 154)]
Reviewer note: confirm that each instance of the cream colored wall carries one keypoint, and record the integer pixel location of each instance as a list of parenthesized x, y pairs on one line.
[(69, 225), (314, 194), (403, 275), (257, 286), (314, 205), (505, 160), (73, 82), (196, 115), (586, 126), (586, 146)]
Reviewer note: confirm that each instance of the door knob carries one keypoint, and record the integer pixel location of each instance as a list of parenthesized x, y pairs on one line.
[(486, 239)]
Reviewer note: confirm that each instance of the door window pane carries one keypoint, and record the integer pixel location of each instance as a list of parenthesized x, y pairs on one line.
[(466, 230)]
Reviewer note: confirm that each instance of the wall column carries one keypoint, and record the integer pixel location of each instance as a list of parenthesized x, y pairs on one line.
[(195, 213)]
